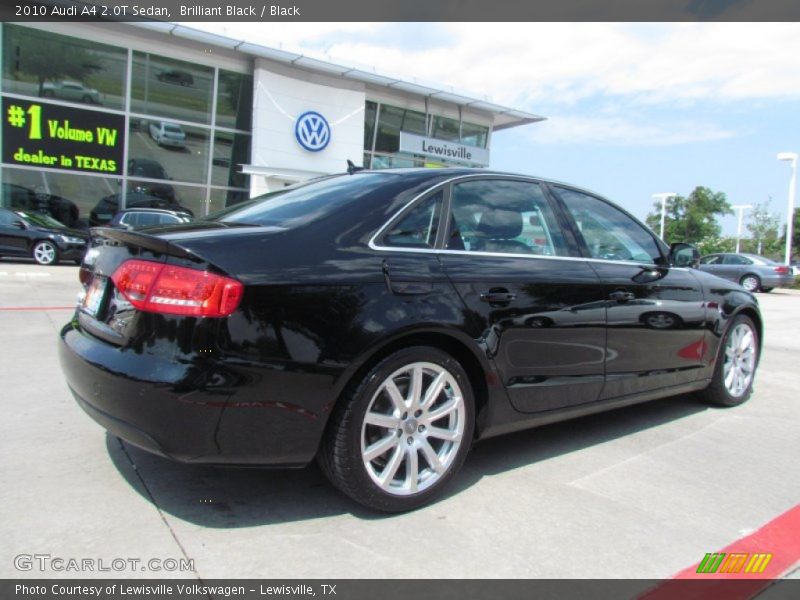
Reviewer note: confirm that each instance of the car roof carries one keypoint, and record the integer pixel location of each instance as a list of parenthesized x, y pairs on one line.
[(152, 210)]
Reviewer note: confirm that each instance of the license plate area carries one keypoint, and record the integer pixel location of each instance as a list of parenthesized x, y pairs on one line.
[(95, 295)]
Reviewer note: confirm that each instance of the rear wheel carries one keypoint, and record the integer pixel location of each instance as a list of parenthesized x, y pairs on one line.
[(750, 282), (45, 253), (400, 434), (732, 383)]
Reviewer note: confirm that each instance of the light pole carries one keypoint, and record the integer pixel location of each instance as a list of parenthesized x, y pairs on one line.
[(664, 197), (741, 208), (791, 157)]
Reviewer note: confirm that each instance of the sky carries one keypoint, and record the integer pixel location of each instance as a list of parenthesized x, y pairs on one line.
[(632, 109)]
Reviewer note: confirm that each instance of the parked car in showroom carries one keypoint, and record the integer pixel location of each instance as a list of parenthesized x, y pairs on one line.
[(754, 273), (17, 197), (71, 90), (108, 206), (383, 321), (151, 169), (40, 237), (165, 133)]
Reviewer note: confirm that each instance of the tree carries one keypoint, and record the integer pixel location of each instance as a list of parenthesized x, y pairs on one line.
[(693, 218), (763, 226), (47, 57)]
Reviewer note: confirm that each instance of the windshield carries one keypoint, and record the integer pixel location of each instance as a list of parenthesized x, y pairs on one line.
[(304, 203), (42, 220)]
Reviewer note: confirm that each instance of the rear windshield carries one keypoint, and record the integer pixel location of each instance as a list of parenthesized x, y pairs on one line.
[(173, 129), (304, 203)]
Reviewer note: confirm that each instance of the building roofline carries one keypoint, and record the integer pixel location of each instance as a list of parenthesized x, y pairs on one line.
[(504, 117)]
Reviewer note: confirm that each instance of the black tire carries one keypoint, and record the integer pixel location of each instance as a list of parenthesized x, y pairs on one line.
[(717, 393), (766, 290), (340, 455), (750, 282), (45, 252)]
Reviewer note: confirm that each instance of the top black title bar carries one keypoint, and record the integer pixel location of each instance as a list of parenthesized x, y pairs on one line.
[(400, 10)]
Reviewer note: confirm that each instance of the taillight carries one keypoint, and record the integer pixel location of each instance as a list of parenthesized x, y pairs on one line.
[(169, 289), (782, 270)]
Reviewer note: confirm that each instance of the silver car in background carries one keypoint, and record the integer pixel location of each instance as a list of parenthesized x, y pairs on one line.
[(754, 273)]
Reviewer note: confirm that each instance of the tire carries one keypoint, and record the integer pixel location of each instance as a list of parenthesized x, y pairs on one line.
[(739, 344), (750, 282), (45, 252), (766, 290), (373, 462)]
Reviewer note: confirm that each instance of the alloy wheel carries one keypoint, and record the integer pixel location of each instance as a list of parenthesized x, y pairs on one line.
[(413, 428), (750, 283), (740, 359), (44, 253)]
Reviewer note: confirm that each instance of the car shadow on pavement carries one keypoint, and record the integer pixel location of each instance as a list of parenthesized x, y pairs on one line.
[(226, 497)]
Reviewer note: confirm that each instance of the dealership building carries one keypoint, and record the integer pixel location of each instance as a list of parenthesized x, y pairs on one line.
[(109, 114)]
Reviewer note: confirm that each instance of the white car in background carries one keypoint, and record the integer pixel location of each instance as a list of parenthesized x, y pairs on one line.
[(165, 133), (71, 90)]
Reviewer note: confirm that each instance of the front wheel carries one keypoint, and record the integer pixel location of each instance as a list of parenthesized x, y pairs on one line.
[(399, 435), (732, 382), (45, 253), (750, 282)]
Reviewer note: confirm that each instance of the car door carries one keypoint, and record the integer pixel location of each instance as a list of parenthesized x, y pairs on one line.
[(535, 306), (655, 313), (734, 266)]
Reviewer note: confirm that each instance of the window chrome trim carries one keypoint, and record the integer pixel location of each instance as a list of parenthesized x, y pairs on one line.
[(374, 246)]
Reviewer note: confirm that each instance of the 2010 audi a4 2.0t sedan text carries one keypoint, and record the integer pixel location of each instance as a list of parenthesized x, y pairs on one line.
[(383, 321)]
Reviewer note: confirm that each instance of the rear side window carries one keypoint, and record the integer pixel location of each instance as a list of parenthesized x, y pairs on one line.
[(503, 217), (609, 233), (711, 260), (734, 259), (418, 227)]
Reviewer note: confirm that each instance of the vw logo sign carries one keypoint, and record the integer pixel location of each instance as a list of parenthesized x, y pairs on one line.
[(312, 131)]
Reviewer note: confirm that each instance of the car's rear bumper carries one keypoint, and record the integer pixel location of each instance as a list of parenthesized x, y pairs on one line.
[(777, 281), (172, 408)]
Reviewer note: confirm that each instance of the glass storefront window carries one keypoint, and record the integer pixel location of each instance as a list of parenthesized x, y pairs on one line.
[(231, 150), (66, 197), (393, 120), (48, 65), (474, 135), (165, 150), (446, 129), (235, 100), (171, 88)]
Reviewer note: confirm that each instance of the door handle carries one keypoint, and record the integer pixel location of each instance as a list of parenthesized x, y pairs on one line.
[(621, 296), (498, 296)]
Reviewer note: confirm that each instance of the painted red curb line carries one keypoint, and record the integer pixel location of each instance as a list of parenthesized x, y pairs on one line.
[(10, 308), (780, 537)]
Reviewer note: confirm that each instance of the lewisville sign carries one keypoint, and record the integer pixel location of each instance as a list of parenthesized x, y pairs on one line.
[(39, 134), (418, 144)]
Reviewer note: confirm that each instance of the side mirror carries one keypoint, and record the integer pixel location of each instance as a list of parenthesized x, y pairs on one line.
[(18, 225), (683, 255)]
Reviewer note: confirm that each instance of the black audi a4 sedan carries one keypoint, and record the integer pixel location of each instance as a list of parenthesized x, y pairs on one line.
[(383, 321)]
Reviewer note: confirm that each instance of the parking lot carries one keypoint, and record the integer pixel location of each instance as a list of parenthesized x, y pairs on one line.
[(641, 492)]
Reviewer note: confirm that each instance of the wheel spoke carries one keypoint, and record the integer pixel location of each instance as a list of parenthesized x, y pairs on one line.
[(443, 434), (380, 447), (443, 410), (415, 388), (388, 473), (412, 469), (431, 456), (395, 396), (433, 391), (380, 420)]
